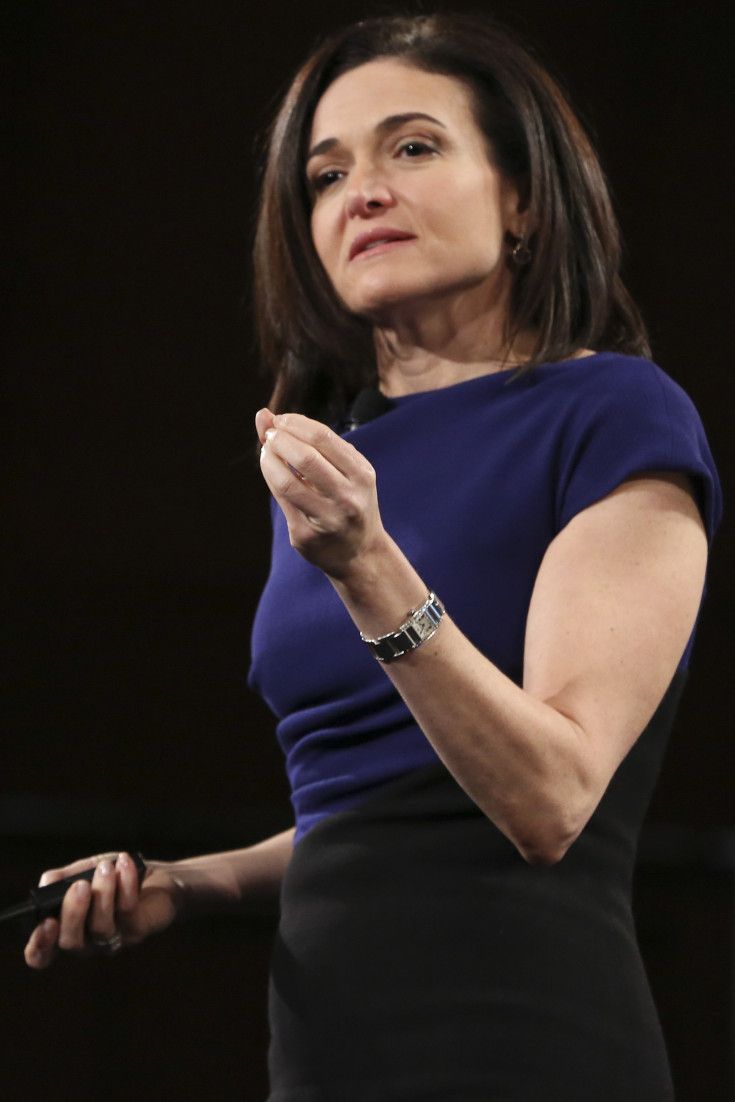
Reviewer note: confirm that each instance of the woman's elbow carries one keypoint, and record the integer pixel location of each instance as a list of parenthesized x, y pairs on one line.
[(544, 819), (548, 838), (543, 851)]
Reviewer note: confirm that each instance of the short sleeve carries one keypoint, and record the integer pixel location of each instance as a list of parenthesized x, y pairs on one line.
[(627, 419)]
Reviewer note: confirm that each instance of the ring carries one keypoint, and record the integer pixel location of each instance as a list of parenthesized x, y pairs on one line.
[(296, 473), (108, 945)]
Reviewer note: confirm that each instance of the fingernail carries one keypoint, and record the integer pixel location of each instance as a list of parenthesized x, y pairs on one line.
[(270, 433), (81, 887), (122, 860), (105, 868)]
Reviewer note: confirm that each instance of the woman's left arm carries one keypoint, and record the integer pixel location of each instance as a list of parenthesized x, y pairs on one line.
[(613, 605)]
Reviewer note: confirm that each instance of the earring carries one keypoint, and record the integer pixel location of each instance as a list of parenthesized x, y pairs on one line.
[(520, 254)]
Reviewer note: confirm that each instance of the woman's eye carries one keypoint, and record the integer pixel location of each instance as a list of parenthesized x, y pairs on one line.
[(411, 149), (324, 179), (415, 148)]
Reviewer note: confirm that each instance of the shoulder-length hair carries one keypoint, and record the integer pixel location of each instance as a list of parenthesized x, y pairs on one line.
[(570, 293)]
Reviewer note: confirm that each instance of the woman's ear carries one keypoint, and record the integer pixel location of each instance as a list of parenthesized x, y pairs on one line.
[(518, 207)]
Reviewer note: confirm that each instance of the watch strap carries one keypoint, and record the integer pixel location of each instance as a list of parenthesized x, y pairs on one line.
[(419, 626)]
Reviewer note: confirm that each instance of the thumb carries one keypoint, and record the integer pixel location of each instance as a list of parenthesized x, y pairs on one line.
[(263, 421)]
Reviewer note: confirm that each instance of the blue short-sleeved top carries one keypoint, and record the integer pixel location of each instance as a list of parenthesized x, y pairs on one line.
[(474, 482)]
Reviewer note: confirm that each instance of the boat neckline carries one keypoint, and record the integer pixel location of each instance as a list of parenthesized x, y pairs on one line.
[(504, 375)]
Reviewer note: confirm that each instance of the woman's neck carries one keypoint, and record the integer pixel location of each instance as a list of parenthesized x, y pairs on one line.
[(411, 368), (445, 344)]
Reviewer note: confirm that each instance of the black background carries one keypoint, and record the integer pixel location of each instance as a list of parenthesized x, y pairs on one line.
[(136, 524)]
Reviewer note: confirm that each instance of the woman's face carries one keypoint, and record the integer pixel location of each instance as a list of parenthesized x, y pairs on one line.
[(395, 153)]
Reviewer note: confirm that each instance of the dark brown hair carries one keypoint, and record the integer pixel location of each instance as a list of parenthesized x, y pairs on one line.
[(570, 293)]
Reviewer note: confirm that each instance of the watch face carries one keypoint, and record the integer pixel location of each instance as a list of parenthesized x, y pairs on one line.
[(421, 626), (424, 627)]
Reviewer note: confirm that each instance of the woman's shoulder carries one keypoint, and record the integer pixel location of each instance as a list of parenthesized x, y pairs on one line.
[(618, 379), (621, 415), (605, 368)]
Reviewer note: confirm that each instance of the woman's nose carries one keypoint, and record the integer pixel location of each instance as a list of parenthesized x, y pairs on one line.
[(367, 194)]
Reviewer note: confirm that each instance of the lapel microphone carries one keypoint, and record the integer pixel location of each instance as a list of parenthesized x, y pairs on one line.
[(366, 406)]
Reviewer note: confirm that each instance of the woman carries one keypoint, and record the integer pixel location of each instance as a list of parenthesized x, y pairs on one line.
[(519, 539)]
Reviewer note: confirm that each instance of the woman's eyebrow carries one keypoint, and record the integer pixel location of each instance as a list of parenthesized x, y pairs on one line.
[(383, 127)]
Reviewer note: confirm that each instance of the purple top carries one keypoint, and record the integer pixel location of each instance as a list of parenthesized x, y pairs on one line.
[(474, 482)]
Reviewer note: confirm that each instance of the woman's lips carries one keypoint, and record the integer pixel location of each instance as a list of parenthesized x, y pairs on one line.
[(369, 239), (381, 247)]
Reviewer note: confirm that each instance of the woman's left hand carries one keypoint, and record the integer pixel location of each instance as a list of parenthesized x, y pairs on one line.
[(325, 488)]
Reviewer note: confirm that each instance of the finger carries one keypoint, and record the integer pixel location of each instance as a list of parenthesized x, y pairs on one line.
[(73, 916), (101, 917), (285, 485), (293, 512), (50, 876), (301, 503), (263, 421), (41, 947), (342, 455), (128, 888), (305, 462)]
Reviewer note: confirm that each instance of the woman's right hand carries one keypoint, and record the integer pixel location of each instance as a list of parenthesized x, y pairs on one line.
[(113, 904)]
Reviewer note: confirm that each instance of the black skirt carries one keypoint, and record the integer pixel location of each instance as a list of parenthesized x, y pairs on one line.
[(419, 958)]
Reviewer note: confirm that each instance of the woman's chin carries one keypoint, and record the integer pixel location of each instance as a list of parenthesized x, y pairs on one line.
[(390, 305), (387, 302)]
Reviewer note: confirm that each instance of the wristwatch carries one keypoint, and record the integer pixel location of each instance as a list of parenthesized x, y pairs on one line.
[(420, 624)]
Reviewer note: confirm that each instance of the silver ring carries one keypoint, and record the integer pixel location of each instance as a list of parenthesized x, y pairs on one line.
[(108, 945)]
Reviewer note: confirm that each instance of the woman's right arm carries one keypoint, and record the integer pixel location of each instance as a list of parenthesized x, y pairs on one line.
[(224, 881), (114, 902)]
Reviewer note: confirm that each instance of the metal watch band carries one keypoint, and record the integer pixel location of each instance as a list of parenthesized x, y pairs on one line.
[(420, 624)]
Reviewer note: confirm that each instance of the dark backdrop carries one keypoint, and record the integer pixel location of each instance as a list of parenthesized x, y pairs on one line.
[(136, 523)]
